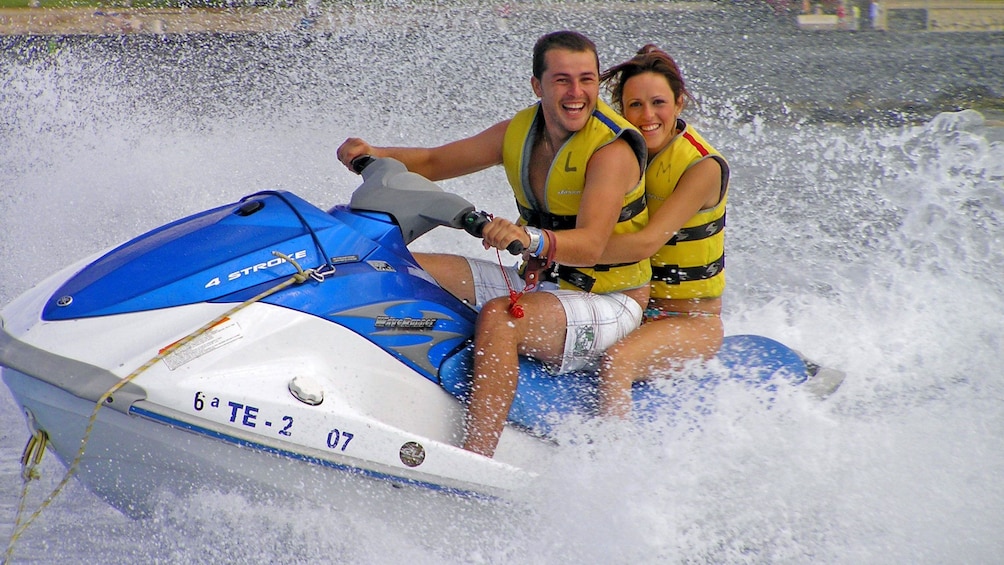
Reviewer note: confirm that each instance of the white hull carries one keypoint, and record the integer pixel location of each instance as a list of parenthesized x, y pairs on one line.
[(221, 414), (132, 461)]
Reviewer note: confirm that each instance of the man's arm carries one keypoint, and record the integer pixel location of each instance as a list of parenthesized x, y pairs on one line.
[(611, 173), (454, 159)]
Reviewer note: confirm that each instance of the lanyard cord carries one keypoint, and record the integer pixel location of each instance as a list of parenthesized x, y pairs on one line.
[(515, 308), (531, 273)]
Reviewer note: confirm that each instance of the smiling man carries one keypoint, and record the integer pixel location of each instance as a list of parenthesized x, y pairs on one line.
[(575, 167)]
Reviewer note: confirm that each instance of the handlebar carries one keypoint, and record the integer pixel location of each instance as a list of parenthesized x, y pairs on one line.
[(474, 224), (359, 163)]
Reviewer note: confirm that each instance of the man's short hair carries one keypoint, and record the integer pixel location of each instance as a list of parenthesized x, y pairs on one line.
[(570, 40)]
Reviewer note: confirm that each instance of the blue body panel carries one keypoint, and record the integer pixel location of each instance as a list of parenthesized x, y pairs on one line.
[(204, 257), (376, 289), (542, 397), (225, 255)]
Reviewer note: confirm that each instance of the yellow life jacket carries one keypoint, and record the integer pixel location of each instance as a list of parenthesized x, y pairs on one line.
[(563, 191), (692, 263)]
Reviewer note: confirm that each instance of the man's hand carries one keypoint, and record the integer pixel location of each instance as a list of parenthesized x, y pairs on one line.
[(351, 148), (499, 233)]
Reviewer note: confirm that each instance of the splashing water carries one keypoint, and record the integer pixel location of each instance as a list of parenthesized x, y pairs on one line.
[(874, 248)]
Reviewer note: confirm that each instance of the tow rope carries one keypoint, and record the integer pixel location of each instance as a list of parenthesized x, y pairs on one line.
[(36, 444)]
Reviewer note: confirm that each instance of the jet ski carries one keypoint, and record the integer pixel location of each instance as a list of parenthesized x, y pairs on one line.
[(271, 344)]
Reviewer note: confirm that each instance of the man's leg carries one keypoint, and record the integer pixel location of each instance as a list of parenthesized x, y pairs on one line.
[(452, 272), (499, 339)]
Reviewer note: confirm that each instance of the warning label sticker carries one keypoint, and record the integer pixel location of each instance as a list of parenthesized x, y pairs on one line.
[(227, 331)]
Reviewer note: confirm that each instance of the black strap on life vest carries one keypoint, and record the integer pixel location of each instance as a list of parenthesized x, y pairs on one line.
[(548, 221), (571, 275), (674, 274), (702, 231), (576, 277)]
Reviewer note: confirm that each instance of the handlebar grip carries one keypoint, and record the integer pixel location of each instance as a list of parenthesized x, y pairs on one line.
[(360, 163), (474, 224)]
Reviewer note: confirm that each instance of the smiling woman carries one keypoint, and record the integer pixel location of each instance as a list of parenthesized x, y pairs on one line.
[(686, 184)]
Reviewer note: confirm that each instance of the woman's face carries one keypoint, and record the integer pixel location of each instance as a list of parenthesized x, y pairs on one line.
[(650, 104)]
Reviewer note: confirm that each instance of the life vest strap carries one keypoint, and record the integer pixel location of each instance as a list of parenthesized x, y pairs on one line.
[(695, 233), (548, 221), (574, 277), (674, 274), (577, 278)]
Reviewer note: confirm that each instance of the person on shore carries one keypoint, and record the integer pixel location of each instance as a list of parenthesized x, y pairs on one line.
[(686, 184), (576, 170)]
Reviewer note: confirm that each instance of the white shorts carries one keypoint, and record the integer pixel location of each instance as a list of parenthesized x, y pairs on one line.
[(594, 322)]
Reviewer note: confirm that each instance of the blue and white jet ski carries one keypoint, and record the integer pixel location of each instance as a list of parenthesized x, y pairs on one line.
[(274, 344)]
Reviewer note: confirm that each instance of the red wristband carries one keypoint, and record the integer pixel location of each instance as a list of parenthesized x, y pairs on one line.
[(552, 247)]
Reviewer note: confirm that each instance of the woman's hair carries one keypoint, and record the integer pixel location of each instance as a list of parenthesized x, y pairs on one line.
[(649, 59)]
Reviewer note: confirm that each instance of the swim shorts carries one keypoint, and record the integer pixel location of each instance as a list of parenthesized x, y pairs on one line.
[(594, 322)]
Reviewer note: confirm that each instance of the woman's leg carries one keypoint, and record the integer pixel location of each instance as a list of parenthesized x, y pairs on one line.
[(654, 349)]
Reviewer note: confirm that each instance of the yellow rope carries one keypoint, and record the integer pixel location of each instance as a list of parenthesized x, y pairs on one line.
[(30, 459), (301, 276)]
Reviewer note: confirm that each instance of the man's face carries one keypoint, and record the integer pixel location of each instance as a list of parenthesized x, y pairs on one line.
[(568, 89)]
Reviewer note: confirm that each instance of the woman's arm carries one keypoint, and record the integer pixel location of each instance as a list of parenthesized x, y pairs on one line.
[(698, 189)]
